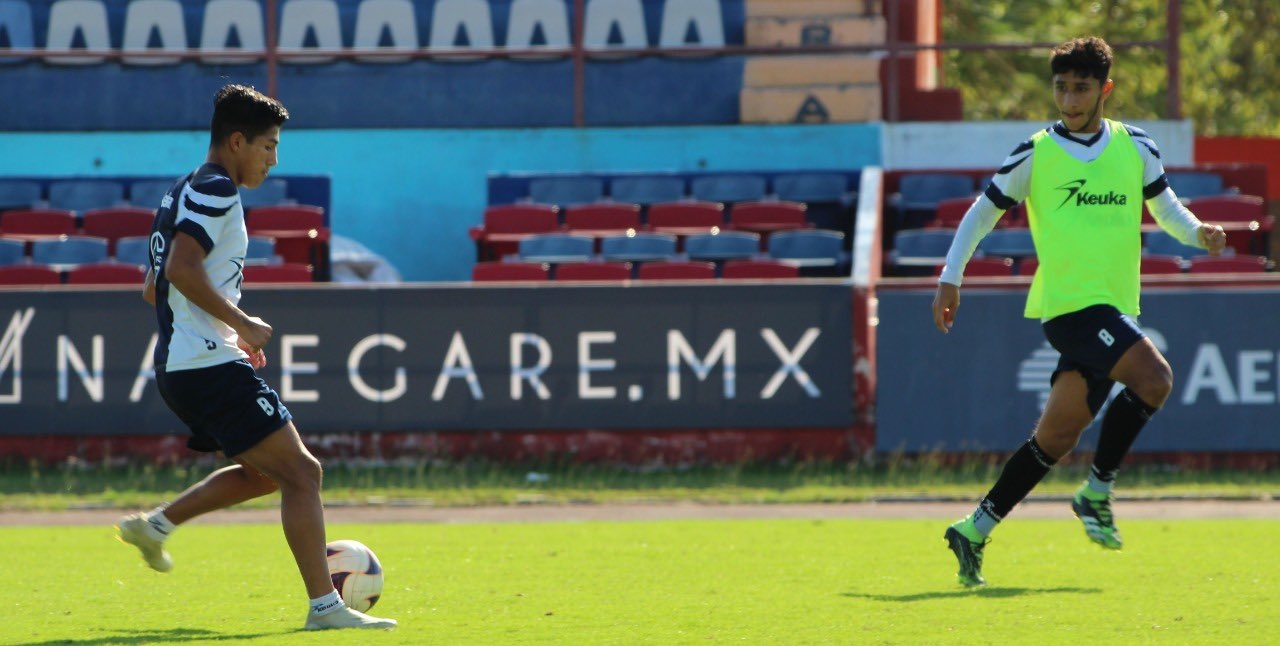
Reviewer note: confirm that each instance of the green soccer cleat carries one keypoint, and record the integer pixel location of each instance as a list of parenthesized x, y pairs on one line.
[(968, 552), (1095, 513)]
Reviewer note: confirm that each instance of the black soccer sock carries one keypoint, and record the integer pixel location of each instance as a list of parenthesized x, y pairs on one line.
[(1121, 424), (1024, 470)]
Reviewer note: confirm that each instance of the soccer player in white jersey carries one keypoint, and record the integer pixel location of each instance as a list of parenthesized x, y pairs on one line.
[(209, 350), (1084, 180)]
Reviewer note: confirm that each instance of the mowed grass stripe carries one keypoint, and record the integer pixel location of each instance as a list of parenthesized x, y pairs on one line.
[(759, 582)]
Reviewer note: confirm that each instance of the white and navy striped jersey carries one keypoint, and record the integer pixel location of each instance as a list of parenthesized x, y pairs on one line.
[(1012, 183), (206, 206)]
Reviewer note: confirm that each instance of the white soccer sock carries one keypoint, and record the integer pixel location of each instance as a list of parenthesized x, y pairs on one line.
[(326, 604), (160, 523)]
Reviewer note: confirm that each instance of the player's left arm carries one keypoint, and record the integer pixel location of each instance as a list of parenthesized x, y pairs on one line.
[(1168, 212)]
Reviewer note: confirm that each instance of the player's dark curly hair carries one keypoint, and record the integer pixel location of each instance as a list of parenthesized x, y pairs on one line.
[(240, 108), (1090, 57)]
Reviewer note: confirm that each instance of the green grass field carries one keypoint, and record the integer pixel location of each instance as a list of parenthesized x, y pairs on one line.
[(754, 582)]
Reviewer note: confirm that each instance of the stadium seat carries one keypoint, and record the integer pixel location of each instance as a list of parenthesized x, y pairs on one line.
[(12, 252), (164, 18), (29, 275), (303, 20), (285, 218), (148, 193), (1240, 264), (528, 17), (505, 225), (566, 191), (638, 247), (272, 192), (593, 271), (758, 269), (1027, 266), (829, 203), (35, 223), (395, 18), (700, 17), (283, 273), (498, 271), (728, 188), (18, 193), (602, 219), (69, 250), (1162, 243), (1160, 264), (134, 250), (766, 217), (677, 270), (1194, 184), (810, 248), (725, 245), (116, 223), (105, 273), (68, 19), (15, 19), (244, 18), (299, 233), (1016, 243), (1244, 217), (950, 212), (81, 195), (985, 267), (686, 218), (556, 247), (921, 247), (460, 25), (262, 251), (647, 189), (918, 196), (604, 16)]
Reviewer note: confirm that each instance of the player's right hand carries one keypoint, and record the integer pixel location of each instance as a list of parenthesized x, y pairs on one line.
[(945, 303), (255, 332)]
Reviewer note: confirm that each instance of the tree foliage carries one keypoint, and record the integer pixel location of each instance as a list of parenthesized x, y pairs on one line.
[(1228, 75)]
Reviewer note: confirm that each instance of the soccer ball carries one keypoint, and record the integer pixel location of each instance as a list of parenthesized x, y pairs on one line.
[(356, 573)]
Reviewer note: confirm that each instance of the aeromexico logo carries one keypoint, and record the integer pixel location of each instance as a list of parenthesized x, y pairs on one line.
[(1075, 189)]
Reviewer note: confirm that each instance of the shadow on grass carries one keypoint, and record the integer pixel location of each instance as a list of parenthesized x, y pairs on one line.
[(988, 591), (152, 637)]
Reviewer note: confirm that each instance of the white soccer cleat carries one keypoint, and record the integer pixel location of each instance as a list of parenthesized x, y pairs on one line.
[(133, 530), (345, 617)]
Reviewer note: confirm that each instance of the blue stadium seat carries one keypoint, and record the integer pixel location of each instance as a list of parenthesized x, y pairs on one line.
[(812, 187), (71, 250), (15, 19), (647, 189), (147, 193), (80, 195), (12, 252), (1011, 243), (261, 251), (271, 192), (725, 245), (923, 191), (640, 247), (565, 191), (1193, 184), (135, 250), (728, 188), (809, 248), (921, 247), (18, 193), (1161, 243), (556, 247)]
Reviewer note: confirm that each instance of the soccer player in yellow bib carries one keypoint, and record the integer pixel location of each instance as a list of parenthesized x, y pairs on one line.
[(1084, 180)]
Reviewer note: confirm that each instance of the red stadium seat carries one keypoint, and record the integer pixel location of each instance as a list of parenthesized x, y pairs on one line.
[(116, 223), (686, 218), (38, 223), (497, 271), (1228, 264), (593, 271), (950, 211), (299, 231), (106, 273), (507, 224), (1244, 217), (758, 269), (767, 217), (1161, 264), (1027, 266), (284, 273), (29, 275), (601, 219), (689, 270)]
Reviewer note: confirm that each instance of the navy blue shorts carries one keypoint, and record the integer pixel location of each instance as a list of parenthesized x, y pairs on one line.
[(1091, 342), (227, 407)]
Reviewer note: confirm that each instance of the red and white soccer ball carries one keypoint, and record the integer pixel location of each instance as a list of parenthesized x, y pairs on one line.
[(356, 573)]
